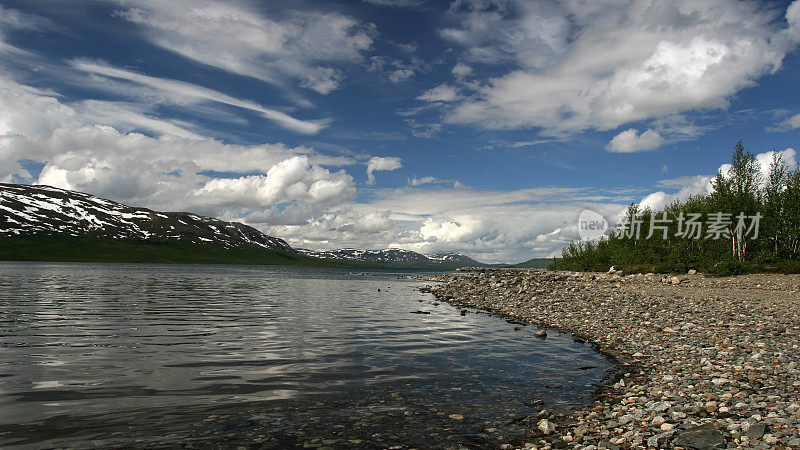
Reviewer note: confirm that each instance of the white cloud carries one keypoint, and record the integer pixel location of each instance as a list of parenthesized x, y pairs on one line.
[(450, 232), (399, 70), (605, 64), (399, 75), (492, 226), (178, 92), (423, 130), (629, 141), (441, 93), (791, 123), (764, 160), (12, 19), (701, 184), (377, 163), (79, 151), (284, 191), (426, 180), (323, 80), (269, 45), (793, 19), (128, 117), (529, 33), (686, 187), (461, 70), (292, 179)]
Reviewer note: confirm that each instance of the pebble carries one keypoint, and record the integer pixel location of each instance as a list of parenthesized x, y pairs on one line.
[(546, 426), (707, 359)]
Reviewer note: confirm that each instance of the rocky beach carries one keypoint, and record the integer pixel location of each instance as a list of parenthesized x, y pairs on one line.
[(705, 362)]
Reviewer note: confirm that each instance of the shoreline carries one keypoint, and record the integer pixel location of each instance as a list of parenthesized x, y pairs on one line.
[(704, 362)]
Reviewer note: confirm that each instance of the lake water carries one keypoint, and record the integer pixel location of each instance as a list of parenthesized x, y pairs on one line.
[(155, 355)]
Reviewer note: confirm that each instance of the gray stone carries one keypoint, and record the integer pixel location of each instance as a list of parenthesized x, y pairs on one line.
[(626, 419), (702, 437), (659, 407), (756, 431), (546, 427), (660, 439)]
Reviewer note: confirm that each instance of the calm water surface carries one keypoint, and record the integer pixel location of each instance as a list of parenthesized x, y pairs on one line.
[(154, 355)]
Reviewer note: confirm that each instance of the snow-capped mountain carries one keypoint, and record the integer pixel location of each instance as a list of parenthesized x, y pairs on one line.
[(454, 259), (43, 210), (29, 211), (393, 256)]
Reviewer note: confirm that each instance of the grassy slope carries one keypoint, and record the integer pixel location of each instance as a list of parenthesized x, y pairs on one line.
[(52, 248)]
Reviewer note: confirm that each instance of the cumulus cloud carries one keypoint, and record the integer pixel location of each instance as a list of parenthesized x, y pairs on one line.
[(686, 187), (601, 65), (793, 18), (399, 75), (377, 163), (441, 93), (493, 226), (629, 141), (461, 70), (78, 150), (291, 179), (764, 160), (270, 45)]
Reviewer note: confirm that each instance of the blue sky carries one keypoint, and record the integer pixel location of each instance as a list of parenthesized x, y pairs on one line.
[(477, 126)]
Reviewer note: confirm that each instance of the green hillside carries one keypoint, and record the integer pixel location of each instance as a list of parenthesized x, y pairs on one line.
[(91, 249)]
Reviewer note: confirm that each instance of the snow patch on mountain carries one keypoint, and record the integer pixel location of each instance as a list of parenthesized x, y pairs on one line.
[(35, 210)]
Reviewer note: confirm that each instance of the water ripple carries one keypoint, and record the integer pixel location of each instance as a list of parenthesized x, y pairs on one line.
[(84, 345)]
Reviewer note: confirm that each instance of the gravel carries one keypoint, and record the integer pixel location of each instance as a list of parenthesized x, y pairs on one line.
[(706, 362)]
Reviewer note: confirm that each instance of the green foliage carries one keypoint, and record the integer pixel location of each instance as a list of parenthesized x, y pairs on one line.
[(93, 249), (535, 263), (665, 245)]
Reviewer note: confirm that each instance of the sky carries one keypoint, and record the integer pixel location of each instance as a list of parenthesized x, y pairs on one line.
[(476, 126)]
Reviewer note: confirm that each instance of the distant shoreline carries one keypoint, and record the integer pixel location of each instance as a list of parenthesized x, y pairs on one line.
[(705, 360), (89, 249)]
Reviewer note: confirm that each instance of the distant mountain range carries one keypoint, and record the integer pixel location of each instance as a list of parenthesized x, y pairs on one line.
[(46, 223), (393, 256)]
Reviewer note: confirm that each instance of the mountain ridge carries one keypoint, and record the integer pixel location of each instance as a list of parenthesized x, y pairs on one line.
[(47, 223), (393, 256), (48, 210)]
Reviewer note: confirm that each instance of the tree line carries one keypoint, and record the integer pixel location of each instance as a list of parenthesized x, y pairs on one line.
[(747, 222)]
